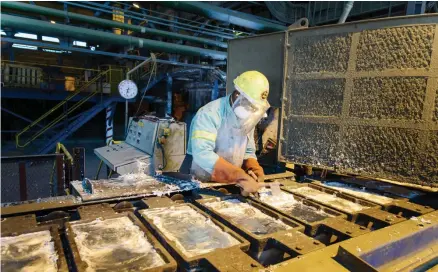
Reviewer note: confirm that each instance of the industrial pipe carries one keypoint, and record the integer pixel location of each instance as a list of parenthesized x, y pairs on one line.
[(47, 28), (108, 23), (224, 15), (347, 8)]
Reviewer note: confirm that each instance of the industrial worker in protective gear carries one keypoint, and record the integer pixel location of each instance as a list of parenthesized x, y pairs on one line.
[(222, 135)]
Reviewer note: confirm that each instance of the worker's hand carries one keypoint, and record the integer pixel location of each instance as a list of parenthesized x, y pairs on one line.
[(226, 172), (252, 165), (249, 185)]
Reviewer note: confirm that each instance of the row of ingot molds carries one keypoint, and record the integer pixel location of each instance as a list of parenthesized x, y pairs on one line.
[(223, 259), (351, 215), (351, 255), (401, 207), (330, 230), (217, 262), (291, 241), (104, 211), (14, 226), (372, 218)]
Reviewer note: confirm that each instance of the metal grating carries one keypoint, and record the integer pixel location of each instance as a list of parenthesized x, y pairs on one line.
[(362, 98)]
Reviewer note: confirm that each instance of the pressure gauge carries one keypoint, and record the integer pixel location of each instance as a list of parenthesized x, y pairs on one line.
[(128, 89)]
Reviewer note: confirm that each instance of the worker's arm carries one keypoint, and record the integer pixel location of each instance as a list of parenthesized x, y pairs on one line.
[(250, 162), (203, 142), (203, 139)]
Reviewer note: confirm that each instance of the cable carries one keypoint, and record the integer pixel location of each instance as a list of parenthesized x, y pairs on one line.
[(164, 158), (153, 73)]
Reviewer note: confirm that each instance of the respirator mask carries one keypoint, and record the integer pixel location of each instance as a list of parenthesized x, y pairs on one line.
[(249, 111)]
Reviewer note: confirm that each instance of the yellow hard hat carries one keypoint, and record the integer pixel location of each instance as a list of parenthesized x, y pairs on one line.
[(254, 84)]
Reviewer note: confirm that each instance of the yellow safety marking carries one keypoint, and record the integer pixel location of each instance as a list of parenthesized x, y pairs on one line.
[(202, 134)]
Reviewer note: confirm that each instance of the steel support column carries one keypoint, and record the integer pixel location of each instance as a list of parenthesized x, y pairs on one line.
[(78, 163), (215, 90), (415, 7), (109, 122), (23, 180), (169, 95)]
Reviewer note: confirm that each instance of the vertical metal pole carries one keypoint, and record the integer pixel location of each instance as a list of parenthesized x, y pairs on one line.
[(23, 180), (415, 7), (169, 95), (60, 174), (109, 123), (126, 117), (79, 163), (215, 91)]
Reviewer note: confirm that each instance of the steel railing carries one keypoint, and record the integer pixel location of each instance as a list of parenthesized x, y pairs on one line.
[(99, 76)]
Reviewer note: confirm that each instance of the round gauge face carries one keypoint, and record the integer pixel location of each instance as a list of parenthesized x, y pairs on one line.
[(128, 89)]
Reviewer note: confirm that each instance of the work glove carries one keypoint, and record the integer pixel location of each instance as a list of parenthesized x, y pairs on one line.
[(253, 165), (225, 172)]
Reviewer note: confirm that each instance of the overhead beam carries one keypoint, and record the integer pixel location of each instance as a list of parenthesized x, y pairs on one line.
[(225, 15)]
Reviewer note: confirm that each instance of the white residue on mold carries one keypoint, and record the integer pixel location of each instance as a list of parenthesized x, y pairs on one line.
[(137, 178), (193, 233), (286, 203), (31, 252), (363, 193), (247, 216), (422, 220), (115, 244), (281, 200), (329, 199)]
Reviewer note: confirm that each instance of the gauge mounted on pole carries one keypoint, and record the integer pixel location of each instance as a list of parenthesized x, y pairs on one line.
[(128, 89)]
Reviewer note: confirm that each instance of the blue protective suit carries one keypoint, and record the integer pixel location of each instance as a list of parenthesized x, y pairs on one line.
[(214, 132)]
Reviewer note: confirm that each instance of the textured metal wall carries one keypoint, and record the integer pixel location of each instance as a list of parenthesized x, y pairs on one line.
[(362, 98)]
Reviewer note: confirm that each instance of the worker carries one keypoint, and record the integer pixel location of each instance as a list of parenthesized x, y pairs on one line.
[(222, 135)]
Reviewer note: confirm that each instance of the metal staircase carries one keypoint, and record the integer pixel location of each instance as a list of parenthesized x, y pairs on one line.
[(22, 142), (76, 124)]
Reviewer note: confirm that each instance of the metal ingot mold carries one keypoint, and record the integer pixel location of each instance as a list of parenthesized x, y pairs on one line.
[(220, 259), (104, 211), (15, 226), (291, 241)]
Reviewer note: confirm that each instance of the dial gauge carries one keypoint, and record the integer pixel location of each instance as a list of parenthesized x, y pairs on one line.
[(128, 89)]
